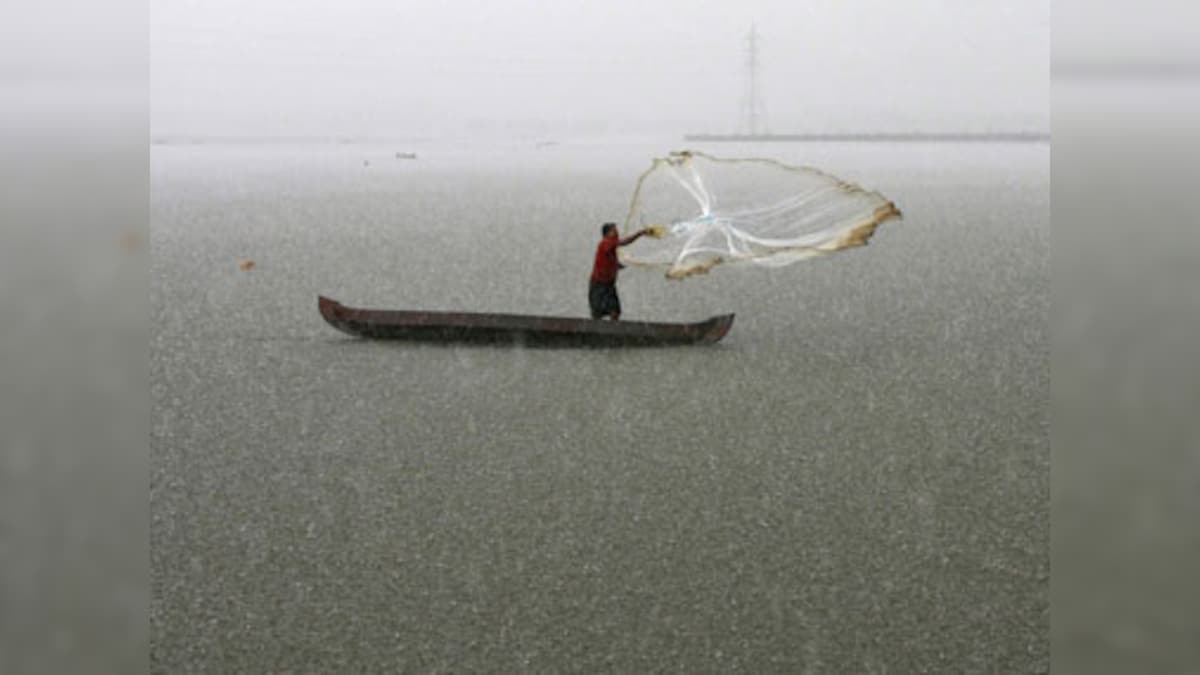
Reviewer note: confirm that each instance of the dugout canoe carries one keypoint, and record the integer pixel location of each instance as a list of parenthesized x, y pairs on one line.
[(516, 328)]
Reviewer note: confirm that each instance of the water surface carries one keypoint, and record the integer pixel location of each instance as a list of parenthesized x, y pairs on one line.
[(855, 480)]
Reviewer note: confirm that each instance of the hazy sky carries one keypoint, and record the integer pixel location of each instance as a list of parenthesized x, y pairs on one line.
[(299, 67)]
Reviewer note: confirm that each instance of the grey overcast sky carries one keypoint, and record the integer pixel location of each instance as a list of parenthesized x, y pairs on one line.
[(409, 68)]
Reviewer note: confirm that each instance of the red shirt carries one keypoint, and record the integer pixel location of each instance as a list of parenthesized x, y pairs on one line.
[(604, 271)]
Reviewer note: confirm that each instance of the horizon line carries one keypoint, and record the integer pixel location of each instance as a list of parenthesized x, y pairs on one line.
[(349, 139), (995, 136)]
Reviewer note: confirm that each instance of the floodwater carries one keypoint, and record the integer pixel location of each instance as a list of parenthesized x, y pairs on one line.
[(856, 480)]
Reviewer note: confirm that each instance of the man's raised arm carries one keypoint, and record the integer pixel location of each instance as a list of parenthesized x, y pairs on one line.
[(633, 237)]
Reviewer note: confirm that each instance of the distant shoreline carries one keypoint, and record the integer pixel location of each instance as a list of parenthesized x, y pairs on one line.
[(188, 139), (840, 137), (885, 137)]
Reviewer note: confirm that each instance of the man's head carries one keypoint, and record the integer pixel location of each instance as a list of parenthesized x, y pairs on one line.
[(609, 230)]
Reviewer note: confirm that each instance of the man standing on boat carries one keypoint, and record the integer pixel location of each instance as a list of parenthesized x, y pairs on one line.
[(602, 289)]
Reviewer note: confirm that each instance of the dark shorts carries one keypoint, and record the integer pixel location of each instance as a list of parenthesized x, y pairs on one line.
[(603, 299)]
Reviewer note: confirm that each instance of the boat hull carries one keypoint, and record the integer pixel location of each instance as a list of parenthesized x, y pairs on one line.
[(516, 328)]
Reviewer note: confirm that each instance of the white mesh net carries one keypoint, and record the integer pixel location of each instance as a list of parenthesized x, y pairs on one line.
[(705, 210)]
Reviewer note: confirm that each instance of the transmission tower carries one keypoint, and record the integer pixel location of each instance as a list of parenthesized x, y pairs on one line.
[(754, 113)]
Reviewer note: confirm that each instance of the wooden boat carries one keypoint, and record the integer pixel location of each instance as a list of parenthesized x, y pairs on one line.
[(517, 328)]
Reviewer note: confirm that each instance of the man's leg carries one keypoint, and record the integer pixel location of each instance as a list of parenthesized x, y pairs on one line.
[(595, 302)]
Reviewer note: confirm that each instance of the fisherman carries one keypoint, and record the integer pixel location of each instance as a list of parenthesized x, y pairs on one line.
[(602, 289)]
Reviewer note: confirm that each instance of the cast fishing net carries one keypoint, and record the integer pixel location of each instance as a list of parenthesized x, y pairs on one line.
[(704, 211)]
